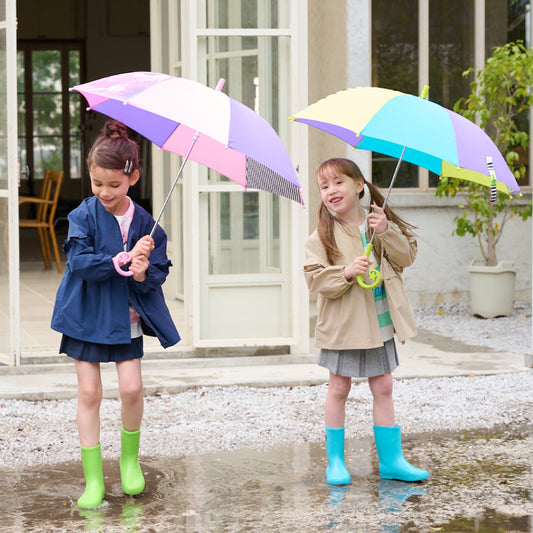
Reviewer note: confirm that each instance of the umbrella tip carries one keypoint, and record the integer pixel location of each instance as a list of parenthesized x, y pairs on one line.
[(220, 84), (425, 92)]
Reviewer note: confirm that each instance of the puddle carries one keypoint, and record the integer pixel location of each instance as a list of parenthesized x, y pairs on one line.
[(481, 481)]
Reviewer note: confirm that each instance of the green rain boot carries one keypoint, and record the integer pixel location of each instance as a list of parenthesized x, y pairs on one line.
[(392, 463), (93, 495), (336, 472), (130, 471)]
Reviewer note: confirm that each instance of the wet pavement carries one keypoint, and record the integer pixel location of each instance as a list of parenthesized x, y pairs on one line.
[(480, 481)]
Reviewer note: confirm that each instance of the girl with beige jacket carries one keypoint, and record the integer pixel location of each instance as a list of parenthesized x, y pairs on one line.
[(356, 326)]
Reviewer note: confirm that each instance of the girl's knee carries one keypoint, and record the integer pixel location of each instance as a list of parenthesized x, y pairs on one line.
[(381, 385), (90, 396), (339, 387), (131, 392)]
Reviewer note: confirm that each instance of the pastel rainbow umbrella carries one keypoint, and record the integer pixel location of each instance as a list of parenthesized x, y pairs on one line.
[(413, 129), (199, 123)]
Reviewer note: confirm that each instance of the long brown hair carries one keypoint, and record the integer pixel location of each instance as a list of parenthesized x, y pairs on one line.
[(326, 220), (114, 149)]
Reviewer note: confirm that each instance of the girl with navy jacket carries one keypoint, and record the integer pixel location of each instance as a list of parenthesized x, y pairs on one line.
[(103, 314)]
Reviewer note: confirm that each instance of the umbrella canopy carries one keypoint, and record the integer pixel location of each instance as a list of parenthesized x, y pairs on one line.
[(387, 121), (187, 118)]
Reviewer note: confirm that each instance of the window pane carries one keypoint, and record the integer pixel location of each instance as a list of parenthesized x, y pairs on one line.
[(225, 228), (394, 66), (20, 72), (75, 157), (75, 161), (74, 113), (47, 114), (73, 67), (451, 49), (23, 161), (518, 21), (46, 75), (223, 14), (495, 24), (250, 209), (383, 168), (236, 242), (21, 115), (395, 45), (47, 153)]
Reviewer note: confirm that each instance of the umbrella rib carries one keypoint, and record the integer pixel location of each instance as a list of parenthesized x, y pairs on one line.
[(176, 179)]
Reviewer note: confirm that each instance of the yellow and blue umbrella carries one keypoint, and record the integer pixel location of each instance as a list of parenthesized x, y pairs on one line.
[(433, 137)]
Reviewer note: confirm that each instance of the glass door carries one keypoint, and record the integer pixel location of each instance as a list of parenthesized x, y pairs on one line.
[(238, 254)]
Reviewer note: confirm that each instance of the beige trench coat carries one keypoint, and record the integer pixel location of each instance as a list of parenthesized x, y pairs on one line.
[(347, 317)]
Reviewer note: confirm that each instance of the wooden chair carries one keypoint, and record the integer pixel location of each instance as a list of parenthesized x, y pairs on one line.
[(43, 222)]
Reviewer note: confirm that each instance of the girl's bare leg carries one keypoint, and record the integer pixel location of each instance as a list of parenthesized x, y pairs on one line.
[(383, 406), (89, 400), (131, 393), (338, 390)]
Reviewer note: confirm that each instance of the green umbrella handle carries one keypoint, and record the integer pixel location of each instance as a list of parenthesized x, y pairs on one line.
[(373, 274)]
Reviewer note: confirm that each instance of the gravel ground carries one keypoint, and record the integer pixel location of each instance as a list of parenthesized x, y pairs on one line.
[(508, 333), (222, 419)]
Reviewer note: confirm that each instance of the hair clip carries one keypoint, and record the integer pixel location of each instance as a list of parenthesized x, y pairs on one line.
[(128, 166)]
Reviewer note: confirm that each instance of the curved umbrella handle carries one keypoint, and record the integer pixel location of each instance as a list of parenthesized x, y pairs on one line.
[(373, 274), (120, 259)]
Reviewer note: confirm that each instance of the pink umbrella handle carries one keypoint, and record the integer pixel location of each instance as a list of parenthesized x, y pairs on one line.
[(120, 259)]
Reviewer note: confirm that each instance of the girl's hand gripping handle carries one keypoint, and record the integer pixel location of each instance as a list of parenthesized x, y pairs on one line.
[(121, 259), (373, 274)]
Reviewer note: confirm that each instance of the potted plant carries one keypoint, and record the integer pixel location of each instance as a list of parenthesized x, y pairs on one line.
[(501, 95)]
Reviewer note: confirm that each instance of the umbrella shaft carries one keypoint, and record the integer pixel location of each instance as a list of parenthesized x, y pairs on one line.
[(176, 179), (390, 188)]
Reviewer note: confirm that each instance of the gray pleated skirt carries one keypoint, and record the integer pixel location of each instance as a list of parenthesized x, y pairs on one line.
[(360, 363)]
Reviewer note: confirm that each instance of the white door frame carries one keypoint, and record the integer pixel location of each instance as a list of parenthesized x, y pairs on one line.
[(297, 223), (11, 354)]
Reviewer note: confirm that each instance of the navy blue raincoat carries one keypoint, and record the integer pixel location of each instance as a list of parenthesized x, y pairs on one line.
[(92, 302)]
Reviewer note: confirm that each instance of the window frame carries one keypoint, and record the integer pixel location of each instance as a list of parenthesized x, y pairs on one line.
[(27, 47)]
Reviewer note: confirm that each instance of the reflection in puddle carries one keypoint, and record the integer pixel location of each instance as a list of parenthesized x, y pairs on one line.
[(284, 489)]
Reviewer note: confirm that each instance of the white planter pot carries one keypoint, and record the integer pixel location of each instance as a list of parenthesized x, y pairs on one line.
[(492, 289)]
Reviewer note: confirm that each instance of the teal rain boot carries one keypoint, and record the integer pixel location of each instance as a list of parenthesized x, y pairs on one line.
[(93, 495), (336, 472), (392, 463), (130, 471)]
